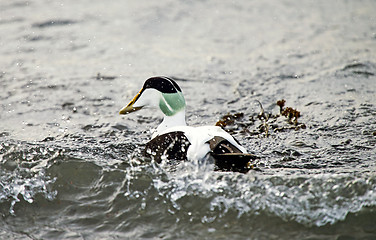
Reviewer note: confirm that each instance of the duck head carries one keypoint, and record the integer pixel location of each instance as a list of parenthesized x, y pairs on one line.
[(163, 93)]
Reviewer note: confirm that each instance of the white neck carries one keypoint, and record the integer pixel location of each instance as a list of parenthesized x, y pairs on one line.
[(171, 121)]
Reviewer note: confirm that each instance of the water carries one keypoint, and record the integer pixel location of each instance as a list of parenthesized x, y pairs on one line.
[(71, 167)]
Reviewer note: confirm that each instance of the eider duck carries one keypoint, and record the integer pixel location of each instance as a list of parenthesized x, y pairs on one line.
[(174, 140)]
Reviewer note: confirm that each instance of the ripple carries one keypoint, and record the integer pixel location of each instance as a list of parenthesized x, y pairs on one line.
[(361, 69), (54, 23)]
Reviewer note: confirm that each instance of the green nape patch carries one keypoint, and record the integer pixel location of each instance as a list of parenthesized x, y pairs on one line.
[(171, 103)]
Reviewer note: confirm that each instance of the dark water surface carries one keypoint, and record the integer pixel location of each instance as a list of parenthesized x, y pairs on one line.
[(71, 167)]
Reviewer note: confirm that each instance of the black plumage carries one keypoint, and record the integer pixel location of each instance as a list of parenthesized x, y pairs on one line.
[(174, 146)]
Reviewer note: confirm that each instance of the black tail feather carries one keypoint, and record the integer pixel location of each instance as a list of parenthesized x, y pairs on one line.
[(228, 157)]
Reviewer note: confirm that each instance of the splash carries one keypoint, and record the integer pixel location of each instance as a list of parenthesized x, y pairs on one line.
[(22, 176), (311, 200), (14, 188)]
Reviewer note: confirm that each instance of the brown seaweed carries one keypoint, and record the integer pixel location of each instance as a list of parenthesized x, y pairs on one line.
[(229, 119), (267, 121), (291, 114)]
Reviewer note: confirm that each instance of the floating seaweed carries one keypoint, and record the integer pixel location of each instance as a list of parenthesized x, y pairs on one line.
[(229, 119), (281, 104), (268, 121), (291, 114)]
